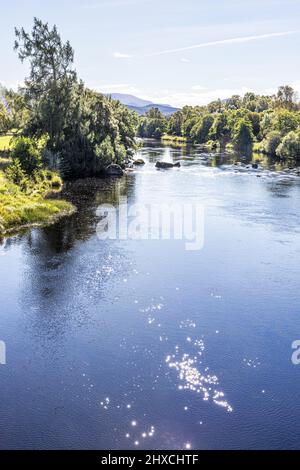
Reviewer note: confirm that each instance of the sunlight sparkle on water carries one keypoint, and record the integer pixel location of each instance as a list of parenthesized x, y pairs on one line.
[(194, 380)]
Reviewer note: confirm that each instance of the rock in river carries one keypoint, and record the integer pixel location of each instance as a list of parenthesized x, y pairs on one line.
[(139, 161), (165, 165), (114, 170)]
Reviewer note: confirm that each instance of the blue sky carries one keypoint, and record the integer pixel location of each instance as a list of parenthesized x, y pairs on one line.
[(168, 51)]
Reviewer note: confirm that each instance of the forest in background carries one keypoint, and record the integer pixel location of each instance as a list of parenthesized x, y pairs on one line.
[(268, 124)]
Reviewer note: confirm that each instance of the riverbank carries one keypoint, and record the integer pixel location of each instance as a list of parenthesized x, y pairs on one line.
[(20, 209), (174, 139)]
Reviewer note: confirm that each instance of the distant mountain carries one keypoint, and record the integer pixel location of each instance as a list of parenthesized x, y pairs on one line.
[(164, 109), (141, 106), (129, 100)]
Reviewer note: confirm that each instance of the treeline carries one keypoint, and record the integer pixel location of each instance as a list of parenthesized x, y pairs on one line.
[(56, 120), (269, 124)]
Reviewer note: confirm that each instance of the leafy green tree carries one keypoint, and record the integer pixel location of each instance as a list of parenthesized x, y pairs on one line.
[(18, 109), (91, 121), (52, 78), (28, 153), (215, 107), (286, 97), (242, 135), (4, 119), (235, 102), (286, 121), (127, 124), (154, 113), (175, 124), (290, 146), (272, 142), (188, 125), (86, 130), (220, 129), (254, 118), (200, 132), (153, 124)]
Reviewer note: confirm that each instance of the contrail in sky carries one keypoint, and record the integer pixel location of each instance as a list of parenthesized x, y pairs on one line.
[(224, 41)]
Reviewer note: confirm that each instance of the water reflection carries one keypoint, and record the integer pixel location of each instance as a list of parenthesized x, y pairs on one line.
[(125, 344)]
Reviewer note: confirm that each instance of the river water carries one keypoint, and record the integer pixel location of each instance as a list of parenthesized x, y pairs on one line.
[(120, 344)]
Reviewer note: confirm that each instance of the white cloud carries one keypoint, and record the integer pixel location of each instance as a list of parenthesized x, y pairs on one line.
[(238, 40), (200, 97), (120, 55), (185, 60), (197, 95), (120, 88)]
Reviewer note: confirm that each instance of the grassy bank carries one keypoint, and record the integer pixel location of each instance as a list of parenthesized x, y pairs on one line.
[(5, 142), (174, 138), (20, 208)]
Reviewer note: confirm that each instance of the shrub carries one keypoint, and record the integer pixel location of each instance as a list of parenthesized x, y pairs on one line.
[(15, 172), (105, 152), (200, 132), (28, 152), (290, 146), (272, 142), (242, 136)]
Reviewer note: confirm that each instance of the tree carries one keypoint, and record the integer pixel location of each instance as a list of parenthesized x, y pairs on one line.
[(153, 124), (286, 121), (175, 124), (272, 142), (52, 78), (91, 123), (242, 136), (290, 146), (200, 132), (86, 130), (154, 113), (4, 118), (127, 124), (235, 102), (220, 129), (286, 97), (28, 153), (18, 108)]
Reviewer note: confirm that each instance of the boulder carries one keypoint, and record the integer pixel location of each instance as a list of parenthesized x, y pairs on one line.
[(165, 165), (139, 161), (114, 170), (255, 166)]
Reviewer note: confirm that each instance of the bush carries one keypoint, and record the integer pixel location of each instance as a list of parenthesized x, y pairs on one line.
[(242, 135), (290, 146), (105, 152), (28, 152), (200, 131), (15, 173), (272, 142)]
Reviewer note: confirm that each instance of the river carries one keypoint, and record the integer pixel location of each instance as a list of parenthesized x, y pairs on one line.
[(120, 344)]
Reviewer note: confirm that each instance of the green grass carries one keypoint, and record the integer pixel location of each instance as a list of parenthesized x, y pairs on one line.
[(4, 163), (19, 209), (5, 142), (213, 145), (258, 147), (174, 138)]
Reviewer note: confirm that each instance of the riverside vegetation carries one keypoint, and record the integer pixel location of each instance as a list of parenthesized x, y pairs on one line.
[(55, 128), (52, 129), (267, 124)]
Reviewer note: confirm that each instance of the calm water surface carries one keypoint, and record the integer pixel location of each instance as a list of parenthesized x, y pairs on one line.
[(125, 344)]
